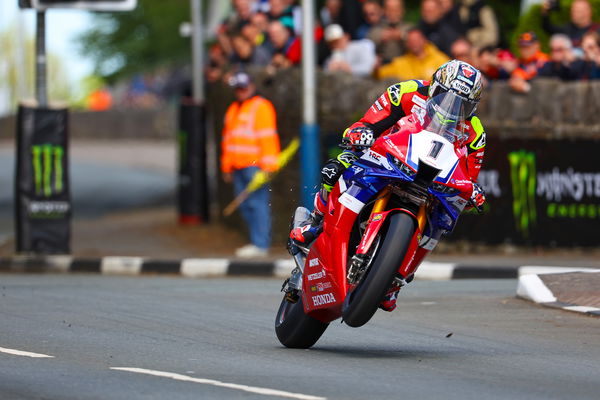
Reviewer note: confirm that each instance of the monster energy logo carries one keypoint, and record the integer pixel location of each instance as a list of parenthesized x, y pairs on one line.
[(523, 178), (48, 175)]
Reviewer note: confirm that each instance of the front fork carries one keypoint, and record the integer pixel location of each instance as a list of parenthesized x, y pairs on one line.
[(361, 260)]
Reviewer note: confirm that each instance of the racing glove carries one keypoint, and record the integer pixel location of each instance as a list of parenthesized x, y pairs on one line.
[(361, 136), (477, 196)]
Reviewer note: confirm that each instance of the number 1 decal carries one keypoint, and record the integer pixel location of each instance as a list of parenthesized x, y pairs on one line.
[(436, 147)]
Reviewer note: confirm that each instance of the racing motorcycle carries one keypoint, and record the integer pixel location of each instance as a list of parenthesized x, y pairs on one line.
[(385, 214)]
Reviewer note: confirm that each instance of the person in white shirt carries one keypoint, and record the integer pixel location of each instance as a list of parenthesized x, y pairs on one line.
[(354, 56)]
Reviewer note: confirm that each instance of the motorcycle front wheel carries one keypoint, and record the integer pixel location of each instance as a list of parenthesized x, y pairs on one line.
[(294, 328), (360, 305)]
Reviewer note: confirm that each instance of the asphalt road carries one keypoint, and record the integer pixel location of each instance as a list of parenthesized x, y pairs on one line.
[(214, 339)]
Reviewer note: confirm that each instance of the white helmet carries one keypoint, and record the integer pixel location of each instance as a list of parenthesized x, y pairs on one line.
[(460, 78)]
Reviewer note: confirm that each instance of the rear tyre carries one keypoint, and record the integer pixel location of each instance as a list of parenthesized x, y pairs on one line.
[(360, 305), (294, 328)]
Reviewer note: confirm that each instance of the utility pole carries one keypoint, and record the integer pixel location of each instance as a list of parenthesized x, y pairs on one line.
[(41, 89), (309, 136), (197, 52), (197, 174)]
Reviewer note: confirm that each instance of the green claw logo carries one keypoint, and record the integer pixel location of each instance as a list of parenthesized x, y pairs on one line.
[(47, 161), (524, 181)]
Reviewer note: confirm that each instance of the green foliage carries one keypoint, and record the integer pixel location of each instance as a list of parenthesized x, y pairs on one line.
[(507, 13), (18, 80), (126, 43), (531, 20)]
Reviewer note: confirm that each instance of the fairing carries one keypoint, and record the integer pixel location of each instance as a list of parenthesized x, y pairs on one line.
[(394, 160)]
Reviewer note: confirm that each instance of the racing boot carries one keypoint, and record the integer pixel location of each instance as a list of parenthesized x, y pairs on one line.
[(306, 232), (389, 301)]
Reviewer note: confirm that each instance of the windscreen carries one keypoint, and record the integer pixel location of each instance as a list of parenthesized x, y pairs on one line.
[(444, 114)]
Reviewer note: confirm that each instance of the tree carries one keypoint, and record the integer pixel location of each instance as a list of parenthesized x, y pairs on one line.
[(123, 44), (16, 69)]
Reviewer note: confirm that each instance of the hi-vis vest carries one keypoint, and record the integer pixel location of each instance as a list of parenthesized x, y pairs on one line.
[(250, 136)]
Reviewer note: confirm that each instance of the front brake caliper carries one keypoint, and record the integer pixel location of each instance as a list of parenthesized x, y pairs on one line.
[(356, 268)]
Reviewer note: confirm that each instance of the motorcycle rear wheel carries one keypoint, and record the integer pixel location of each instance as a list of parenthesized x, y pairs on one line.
[(360, 305), (294, 328)]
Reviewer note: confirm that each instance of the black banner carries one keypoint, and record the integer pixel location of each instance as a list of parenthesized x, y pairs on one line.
[(193, 192), (42, 193), (539, 192)]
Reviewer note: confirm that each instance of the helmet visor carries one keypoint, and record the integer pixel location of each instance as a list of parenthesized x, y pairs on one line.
[(469, 106), (444, 114)]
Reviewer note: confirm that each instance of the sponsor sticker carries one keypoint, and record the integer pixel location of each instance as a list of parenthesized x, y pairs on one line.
[(468, 72), (323, 286), (461, 87), (419, 101), (383, 100), (322, 299), (313, 288), (313, 262), (377, 217), (316, 275)]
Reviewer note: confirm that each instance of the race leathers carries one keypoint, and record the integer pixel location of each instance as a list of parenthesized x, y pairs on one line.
[(409, 97)]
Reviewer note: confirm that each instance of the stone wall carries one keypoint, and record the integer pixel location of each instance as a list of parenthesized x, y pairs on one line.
[(551, 110), (113, 124)]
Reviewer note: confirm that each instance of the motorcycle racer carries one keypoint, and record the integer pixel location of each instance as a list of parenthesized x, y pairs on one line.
[(386, 116)]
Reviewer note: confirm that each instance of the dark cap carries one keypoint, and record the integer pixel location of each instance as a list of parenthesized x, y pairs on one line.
[(240, 80), (527, 38)]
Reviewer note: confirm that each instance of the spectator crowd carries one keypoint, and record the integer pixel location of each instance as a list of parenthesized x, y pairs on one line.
[(372, 38)]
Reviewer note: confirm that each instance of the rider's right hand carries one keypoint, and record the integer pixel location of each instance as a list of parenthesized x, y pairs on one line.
[(360, 136), (477, 196)]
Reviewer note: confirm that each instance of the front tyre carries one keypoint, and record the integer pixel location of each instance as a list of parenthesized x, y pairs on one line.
[(294, 328), (360, 305)]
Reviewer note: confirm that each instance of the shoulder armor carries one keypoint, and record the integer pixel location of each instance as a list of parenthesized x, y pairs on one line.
[(396, 91), (480, 138)]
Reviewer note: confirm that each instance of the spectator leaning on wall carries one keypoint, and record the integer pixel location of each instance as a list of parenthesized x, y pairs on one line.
[(420, 61), (531, 59), (562, 64), (354, 56), (591, 62), (250, 143)]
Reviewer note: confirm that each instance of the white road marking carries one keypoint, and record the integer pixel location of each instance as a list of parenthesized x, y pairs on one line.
[(251, 389), (23, 353)]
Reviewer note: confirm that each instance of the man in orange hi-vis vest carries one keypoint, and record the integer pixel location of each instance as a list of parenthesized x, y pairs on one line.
[(250, 143)]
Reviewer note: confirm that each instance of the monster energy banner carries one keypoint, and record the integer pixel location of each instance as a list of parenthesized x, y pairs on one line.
[(193, 192), (42, 199), (539, 192)]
